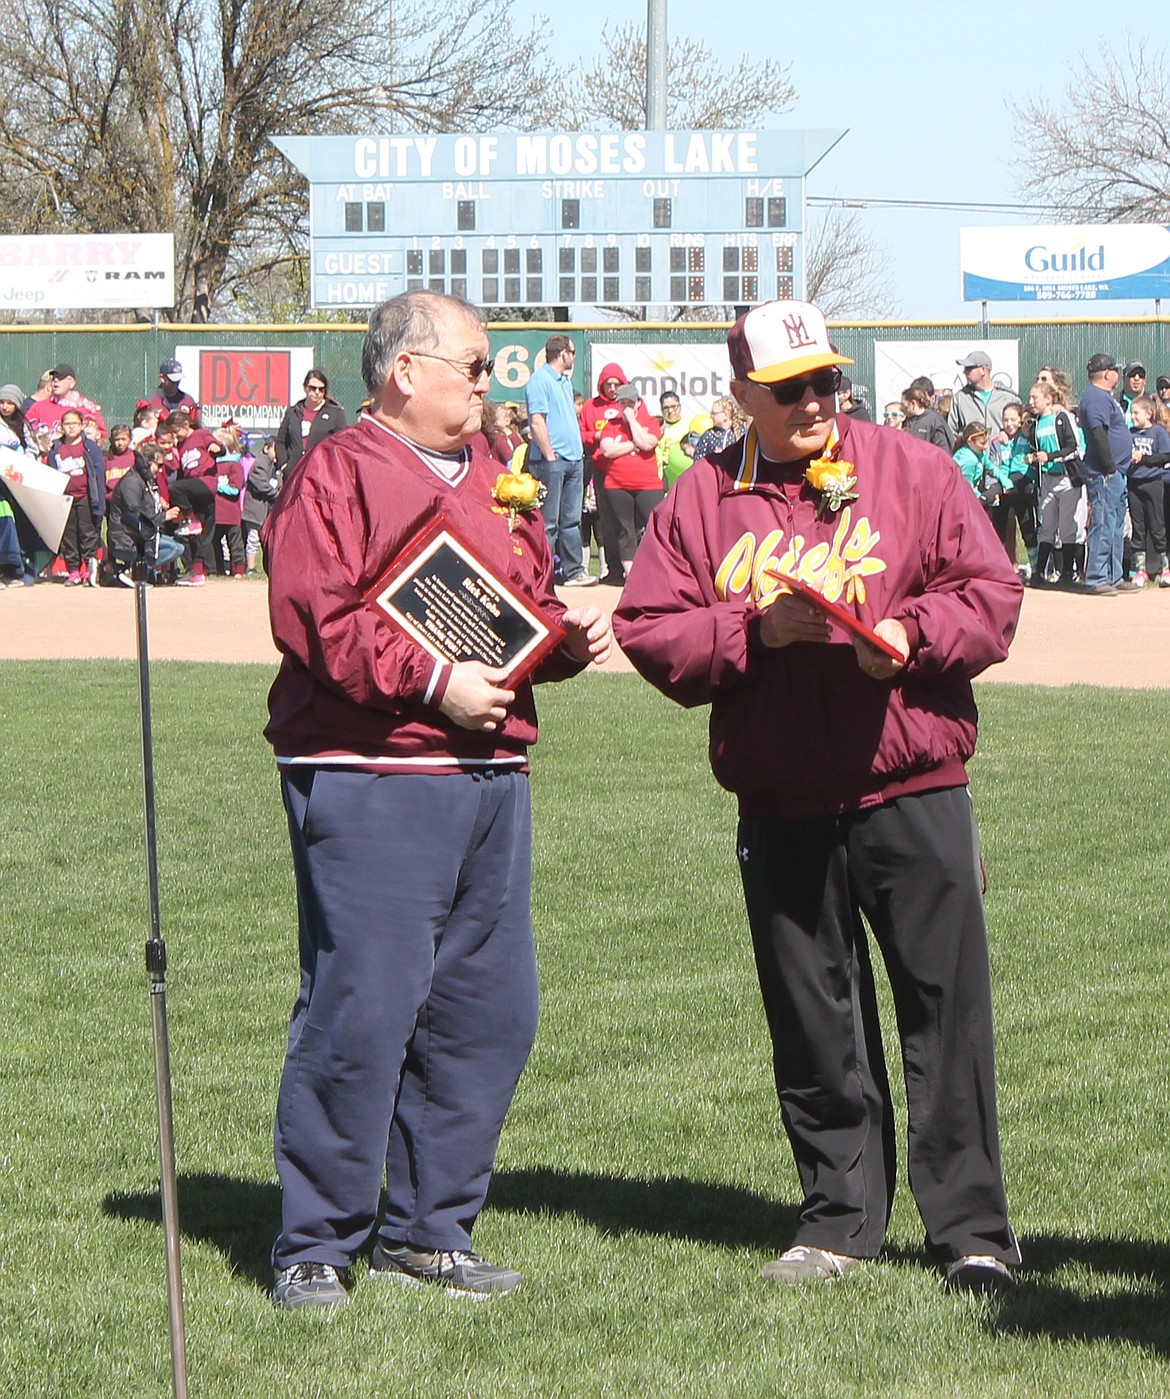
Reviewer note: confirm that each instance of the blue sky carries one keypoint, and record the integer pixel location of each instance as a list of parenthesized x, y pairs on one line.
[(925, 100)]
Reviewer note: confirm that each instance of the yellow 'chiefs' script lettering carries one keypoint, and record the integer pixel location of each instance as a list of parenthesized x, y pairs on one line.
[(837, 569)]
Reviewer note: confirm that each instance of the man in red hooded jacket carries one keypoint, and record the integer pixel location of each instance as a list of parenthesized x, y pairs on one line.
[(849, 763), (596, 415)]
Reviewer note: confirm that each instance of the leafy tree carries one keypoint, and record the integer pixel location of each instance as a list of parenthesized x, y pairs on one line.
[(155, 114), (1103, 152)]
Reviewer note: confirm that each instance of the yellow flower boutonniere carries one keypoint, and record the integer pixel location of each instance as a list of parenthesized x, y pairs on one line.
[(833, 482), (517, 494)]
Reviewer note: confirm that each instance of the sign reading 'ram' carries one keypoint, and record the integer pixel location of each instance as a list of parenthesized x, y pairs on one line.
[(87, 271)]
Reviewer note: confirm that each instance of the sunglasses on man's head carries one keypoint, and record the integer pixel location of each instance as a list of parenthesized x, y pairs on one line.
[(823, 382)]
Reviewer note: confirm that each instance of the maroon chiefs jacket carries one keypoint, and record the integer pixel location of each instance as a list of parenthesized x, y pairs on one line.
[(801, 730)]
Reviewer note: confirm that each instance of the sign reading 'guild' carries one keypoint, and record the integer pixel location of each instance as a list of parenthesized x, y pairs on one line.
[(1066, 262)]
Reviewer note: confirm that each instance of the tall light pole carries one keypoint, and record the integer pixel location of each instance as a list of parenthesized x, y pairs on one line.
[(655, 78), (655, 65)]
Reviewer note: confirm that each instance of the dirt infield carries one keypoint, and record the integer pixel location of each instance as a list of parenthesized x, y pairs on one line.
[(1063, 638)]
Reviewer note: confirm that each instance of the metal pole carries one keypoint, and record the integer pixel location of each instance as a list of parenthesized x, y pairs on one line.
[(656, 49), (656, 58), (156, 966)]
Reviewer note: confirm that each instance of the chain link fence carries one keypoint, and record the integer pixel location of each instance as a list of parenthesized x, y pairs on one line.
[(117, 366)]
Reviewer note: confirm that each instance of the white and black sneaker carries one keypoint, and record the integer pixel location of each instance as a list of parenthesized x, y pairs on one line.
[(460, 1273), (802, 1264), (310, 1285), (978, 1272)]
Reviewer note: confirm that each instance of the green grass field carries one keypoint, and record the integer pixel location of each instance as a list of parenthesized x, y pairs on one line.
[(642, 1178)]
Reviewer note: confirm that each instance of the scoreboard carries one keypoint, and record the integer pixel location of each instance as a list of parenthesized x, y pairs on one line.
[(558, 218)]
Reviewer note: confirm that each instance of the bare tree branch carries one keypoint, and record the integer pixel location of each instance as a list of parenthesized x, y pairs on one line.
[(157, 114), (707, 96), (846, 271), (1103, 153)]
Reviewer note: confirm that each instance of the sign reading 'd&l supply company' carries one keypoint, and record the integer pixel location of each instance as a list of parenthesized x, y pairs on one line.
[(87, 271), (1066, 262), (250, 385)]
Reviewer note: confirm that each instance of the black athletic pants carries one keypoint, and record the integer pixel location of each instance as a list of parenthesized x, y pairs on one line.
[(912, 867), (196, 496)]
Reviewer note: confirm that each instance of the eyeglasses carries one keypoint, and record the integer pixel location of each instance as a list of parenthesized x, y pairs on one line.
[(888, 416), (824, 384), (474, 369), (315, 388)]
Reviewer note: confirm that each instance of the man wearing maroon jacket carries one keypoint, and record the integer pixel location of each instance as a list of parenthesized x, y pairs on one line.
[(405, 783), (849, 762)]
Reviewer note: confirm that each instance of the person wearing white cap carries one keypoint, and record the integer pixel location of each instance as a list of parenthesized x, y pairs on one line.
[(978, 401), (847, 752)]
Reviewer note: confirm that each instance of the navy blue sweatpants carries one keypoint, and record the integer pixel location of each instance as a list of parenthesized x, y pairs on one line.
[(417, 1008)]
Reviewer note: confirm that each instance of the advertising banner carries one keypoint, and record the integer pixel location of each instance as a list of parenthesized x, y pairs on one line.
[(87, 271), (699, 374), (1066, 262), (897, 362), (251, 385), (39, 491)]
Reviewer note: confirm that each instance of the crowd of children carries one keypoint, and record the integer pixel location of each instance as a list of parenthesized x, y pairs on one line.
[(205, 492), (195, 497)]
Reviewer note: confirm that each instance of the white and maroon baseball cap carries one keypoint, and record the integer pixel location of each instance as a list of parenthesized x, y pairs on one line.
[(779, 340)]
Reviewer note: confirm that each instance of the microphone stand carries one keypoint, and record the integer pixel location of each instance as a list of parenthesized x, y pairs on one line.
[(141, 530)]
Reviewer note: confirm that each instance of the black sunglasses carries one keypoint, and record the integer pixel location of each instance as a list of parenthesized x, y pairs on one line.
[(473, 369), (824, 383)]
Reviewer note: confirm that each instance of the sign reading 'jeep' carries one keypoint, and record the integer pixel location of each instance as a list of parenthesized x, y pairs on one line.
[(87, 271)]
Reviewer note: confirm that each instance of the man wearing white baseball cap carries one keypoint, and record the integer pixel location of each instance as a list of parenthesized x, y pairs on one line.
[(847, 753)]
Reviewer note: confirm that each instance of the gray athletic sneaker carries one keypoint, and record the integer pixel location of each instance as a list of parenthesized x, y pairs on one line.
[(462, 1274), (978, 1272), (310, 1285), (801, 1264)]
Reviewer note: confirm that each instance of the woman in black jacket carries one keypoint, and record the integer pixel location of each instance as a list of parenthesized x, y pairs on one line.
[(923, 421), (307, 422)]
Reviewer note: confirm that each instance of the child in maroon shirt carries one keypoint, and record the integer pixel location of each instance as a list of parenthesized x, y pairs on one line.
[(82, 463)]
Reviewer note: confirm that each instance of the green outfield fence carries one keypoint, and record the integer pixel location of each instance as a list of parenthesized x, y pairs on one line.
[(117, 365)]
